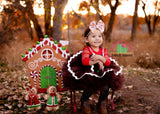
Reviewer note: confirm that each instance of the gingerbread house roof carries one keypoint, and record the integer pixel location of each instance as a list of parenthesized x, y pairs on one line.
[(58, 47)]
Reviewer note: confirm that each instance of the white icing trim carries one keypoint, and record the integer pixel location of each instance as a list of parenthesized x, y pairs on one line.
[(33, 65), (76, 77), (49, 43), (64, 42), (47, 55)]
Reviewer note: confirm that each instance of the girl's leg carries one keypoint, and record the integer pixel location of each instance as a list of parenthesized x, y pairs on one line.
[(102, 100), (85, 101), (104, 93), (85, 95)]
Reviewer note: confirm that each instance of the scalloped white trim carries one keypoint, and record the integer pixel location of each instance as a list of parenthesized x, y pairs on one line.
[(76, 77)]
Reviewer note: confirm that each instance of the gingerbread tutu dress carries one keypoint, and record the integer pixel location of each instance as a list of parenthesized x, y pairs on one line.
[(77, 76)]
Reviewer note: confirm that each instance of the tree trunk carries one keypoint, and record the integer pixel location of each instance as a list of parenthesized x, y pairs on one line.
[(110, 26), (96, 6), (148, 21), (155, 17), (111, 20), (57, 20), (80, 17), (32, 16), (28, 25), (26, 18), (154, 23), (147, 18), (134, 23), (47, 8)]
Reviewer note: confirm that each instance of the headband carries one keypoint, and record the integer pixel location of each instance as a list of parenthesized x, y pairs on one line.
[(99, 26)]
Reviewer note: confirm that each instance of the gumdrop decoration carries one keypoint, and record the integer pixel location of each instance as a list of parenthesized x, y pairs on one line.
[(45, 36)]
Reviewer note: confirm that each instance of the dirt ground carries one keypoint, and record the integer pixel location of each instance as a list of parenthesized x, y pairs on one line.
[(141, 92), (139, 95)]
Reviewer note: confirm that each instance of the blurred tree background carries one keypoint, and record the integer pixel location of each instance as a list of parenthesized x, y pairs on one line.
[(20, 23), (131, 37)]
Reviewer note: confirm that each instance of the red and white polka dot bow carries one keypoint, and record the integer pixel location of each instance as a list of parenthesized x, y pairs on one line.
[(99, 26)]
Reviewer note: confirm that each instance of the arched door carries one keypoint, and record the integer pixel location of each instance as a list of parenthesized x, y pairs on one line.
[(48, 77)]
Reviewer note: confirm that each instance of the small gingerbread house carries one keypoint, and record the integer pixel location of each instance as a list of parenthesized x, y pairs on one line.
[(44, 62)]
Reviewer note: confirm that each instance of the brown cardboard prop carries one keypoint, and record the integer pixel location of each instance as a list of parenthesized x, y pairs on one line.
[(44, 62)]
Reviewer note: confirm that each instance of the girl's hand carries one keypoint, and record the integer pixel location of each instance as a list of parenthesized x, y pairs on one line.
[(98, 58), (100, 65), (97, 62), (95, 57)]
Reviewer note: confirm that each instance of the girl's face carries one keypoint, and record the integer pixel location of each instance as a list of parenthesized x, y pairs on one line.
[(95, 39)]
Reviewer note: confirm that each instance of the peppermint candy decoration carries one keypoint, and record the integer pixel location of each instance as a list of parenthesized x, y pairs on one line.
[(34, 75), (99, 26)]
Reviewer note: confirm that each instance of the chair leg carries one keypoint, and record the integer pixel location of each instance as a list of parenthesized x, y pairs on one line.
[(112, 103), (71, 99), (73, 102)]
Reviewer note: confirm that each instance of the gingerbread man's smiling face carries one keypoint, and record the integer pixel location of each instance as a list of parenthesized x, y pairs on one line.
[(32, 91), (52, 89)]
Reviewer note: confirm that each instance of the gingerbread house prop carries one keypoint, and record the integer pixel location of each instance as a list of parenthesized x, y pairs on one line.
[(44, 62)]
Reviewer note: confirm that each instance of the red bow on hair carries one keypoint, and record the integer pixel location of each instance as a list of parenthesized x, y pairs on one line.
[(99, 26)]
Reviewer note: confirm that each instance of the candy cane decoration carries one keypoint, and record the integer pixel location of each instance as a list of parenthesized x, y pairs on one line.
[(34, 75)]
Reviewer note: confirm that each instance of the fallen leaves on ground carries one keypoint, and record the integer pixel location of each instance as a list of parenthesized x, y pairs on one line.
[(139, 94)]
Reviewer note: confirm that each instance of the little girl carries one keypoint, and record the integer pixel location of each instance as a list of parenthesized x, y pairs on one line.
[(92, 69)]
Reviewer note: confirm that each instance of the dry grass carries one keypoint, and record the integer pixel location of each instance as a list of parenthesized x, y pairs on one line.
[(11, 53), (145, 52), (145, 49)]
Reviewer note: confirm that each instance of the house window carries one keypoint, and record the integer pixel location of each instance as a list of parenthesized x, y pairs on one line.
[(47, 54)]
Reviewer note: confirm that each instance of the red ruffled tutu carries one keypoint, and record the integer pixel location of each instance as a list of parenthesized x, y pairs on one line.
[(76, 76)]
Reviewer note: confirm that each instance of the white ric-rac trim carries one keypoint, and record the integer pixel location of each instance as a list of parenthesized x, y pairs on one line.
[(76, 77)]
